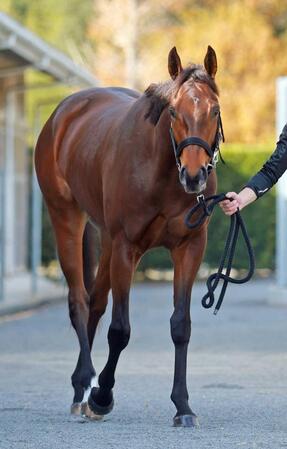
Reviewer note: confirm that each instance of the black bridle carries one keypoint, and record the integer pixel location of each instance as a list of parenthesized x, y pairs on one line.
[(212, 151)]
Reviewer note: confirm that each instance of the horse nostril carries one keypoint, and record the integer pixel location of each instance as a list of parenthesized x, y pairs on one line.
[(194, 183), (182, 170), (203, 172), (182, 174)]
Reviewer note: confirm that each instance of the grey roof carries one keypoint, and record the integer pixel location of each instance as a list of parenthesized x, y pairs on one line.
[(26, 49)]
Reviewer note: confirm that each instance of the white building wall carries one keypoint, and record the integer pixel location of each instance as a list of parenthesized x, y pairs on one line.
[(13, 157)]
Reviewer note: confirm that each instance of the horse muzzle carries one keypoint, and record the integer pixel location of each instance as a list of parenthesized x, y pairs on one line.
[(193, 184)]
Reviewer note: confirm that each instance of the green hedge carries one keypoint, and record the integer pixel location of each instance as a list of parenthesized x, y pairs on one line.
[(241, 163)]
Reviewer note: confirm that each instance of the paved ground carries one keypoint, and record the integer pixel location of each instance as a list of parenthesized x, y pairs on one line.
[(237, 378)]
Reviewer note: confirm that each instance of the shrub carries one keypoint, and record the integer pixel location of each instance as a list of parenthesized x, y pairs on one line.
[(242, 162)]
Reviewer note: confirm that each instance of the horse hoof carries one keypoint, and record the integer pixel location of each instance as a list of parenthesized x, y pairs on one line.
[(86, 412), (186, 421), (76, 409), (96, 408)]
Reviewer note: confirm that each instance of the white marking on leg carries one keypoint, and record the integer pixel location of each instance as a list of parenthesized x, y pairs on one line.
[(94, 383), (85, 409)]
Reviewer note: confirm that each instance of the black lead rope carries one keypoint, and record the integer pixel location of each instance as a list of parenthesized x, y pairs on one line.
[(236, 225)]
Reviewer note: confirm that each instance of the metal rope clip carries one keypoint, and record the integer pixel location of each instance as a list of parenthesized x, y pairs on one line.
[(215, 158), (200, 198)]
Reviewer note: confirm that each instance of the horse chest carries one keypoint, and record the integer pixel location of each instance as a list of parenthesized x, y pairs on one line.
[(163, 231)]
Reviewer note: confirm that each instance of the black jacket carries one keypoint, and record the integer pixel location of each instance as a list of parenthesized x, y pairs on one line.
[(272, 169)]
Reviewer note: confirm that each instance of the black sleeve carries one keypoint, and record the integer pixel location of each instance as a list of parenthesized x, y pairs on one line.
[(272, 169)]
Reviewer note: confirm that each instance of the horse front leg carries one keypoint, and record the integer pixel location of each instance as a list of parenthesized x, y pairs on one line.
[(187, 259), (123, 262), (99, 291)]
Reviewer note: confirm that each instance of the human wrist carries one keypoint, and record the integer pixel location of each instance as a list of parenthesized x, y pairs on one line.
[(246, 196)]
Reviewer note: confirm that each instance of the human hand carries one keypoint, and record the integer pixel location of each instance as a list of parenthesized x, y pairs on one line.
[(239, 200), (230, 207)]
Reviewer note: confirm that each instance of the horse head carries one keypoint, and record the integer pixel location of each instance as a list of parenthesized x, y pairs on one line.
[(195, 123), (194, 111)]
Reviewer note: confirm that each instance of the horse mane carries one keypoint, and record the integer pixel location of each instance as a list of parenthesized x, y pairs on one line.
[(160, 94)]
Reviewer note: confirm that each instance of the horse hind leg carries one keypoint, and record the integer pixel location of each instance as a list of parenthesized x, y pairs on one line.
[(68, 223)]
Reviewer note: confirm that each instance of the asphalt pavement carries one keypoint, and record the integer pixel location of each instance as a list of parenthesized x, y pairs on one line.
[(237, 377)]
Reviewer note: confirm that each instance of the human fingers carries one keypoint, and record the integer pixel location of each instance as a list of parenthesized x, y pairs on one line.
[(229, 210), (232, 195), (230, 207)]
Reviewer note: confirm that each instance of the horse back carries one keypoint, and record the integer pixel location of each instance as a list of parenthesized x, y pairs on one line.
[(89, 102)]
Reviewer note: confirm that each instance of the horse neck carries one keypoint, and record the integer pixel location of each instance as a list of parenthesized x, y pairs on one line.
[(163, 145), (155, 139)]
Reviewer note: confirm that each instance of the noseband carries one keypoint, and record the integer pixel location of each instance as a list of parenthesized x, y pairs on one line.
[(212, 151)]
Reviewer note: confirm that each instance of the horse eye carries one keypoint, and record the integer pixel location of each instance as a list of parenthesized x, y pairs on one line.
[(172, 112), (215, 112)]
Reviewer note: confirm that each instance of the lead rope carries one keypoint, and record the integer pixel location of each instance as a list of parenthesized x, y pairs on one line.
[(236, 225)]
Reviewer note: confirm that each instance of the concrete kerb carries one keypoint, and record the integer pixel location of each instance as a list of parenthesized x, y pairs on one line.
[(13, 309), (277, 296), (19, 298)]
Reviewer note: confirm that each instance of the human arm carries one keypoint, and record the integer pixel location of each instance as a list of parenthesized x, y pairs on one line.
[(273, 169), (259, 184)]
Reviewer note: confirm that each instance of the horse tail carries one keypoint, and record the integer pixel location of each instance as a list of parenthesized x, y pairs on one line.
[(91, 246), (98, 289)]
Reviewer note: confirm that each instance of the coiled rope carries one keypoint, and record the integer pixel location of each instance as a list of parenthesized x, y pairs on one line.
[(236, 225)]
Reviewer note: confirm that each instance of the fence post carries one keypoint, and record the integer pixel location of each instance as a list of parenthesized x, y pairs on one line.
[(2, 243), (281, 198), (36, 249)]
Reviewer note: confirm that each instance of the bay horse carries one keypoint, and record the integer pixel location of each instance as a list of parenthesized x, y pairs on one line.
[(106, 155)]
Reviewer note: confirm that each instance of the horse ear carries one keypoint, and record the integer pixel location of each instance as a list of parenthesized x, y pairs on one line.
[(174, 63), (210, 62)]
